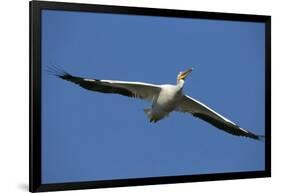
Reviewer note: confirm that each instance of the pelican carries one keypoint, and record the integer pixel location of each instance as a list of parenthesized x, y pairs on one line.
[(165, 99)]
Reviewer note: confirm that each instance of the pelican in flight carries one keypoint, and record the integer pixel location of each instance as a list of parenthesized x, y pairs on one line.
[(165, 98)]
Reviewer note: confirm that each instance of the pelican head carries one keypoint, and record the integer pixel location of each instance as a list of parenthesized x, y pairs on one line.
[(184, 74)]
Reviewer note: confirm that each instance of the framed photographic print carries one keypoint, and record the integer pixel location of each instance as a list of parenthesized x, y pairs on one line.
[(125, 96)]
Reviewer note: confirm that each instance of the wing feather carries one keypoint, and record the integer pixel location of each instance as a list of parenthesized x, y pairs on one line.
[(203, 112), (130, 89)]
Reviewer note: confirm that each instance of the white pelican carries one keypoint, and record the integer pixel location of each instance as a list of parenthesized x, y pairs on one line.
[(165, 99)]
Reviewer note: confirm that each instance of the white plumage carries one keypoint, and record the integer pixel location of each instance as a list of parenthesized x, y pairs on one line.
[(164, 98)]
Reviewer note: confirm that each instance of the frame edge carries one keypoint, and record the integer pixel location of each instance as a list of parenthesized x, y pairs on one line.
[(34, 97), (35, 183)]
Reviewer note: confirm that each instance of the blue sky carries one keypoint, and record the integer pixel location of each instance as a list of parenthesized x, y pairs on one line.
[(94, 136)]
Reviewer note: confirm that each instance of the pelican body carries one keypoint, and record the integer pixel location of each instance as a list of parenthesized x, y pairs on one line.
[(165, 99), (168, 99)]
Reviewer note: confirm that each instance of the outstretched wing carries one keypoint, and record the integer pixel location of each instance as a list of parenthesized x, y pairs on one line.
[(199, 110), (131, 89)]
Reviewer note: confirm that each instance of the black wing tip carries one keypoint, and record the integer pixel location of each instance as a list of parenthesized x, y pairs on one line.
[(255, 136), (260, 137), (58, 72)]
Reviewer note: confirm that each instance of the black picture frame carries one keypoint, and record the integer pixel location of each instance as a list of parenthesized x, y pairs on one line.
[(35, 184)]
